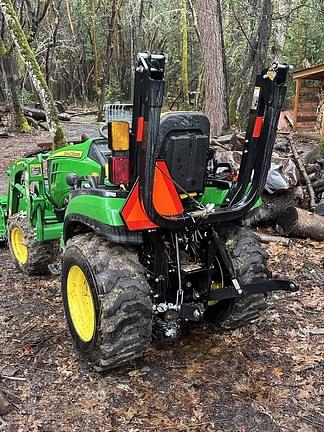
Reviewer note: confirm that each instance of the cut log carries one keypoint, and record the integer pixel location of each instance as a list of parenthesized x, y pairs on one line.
[(64, 116), (312, 168), (296, 222), (318, 184), (273, 206), (265, 238)]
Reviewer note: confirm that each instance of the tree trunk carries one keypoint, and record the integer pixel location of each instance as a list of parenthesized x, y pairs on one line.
[(296, 222), (184, 56), (50, 52), (69, 15), (105, 78), (37, 77), (212, 44), (11, 75), (259, 60), (95, 56), (250, 35), (281, 28)]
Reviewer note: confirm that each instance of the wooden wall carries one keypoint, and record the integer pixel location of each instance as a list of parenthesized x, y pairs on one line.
[(305, 104)]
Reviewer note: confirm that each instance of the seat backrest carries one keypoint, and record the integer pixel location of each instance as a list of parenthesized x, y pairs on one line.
[(183, 144)]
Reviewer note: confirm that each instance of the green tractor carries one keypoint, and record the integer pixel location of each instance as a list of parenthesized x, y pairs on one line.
[(148, 223)]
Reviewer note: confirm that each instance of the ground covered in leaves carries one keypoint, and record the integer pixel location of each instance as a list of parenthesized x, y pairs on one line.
[(265, 377)]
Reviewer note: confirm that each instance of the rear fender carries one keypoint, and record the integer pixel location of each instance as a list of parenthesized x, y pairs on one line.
[(95, 210)]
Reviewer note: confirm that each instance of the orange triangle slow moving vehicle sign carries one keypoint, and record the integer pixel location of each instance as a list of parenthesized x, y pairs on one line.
[(166, 201)]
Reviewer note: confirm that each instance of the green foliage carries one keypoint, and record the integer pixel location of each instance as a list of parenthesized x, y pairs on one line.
[(305, 42), (157, 27), (27, 97), (59, 138), (113, 93), (22, 124)]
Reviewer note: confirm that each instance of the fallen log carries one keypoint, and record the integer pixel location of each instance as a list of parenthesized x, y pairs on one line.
[(39, 114), (265, 238), (296, 222), (273, 206), (32, 122), (64, 116), (83, 113), (318, 184), (312, 168)]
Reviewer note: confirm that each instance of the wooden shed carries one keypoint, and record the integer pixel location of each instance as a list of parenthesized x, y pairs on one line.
[(308, 102)]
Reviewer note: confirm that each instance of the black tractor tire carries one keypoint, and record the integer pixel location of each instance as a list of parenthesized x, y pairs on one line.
[(37, 255), (121, 301), (250, 262)]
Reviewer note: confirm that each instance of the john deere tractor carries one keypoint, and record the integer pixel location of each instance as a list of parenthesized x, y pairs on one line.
[(149, 224)]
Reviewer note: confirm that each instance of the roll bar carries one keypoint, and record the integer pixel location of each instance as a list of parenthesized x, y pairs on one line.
[(269, 94)]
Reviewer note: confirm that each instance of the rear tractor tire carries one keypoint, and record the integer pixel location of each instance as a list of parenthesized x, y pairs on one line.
[(250, 262), (29, 255), (106, 301)]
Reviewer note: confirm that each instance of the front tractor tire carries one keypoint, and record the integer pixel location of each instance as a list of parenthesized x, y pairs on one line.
[(29, 255), (250, 262), (106, 301)]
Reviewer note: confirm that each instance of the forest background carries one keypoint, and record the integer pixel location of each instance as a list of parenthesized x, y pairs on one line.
[(87, 50)]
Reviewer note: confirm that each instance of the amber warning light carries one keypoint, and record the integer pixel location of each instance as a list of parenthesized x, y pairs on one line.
[(118, 135)]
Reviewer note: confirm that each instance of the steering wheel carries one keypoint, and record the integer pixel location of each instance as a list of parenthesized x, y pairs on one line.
[(102, 133)]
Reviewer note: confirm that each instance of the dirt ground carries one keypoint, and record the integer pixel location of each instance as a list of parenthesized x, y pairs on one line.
[(265, 377)]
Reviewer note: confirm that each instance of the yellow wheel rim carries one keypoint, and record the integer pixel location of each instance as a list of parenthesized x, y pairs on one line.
[(19, 247), (80, 303), (213, 287)]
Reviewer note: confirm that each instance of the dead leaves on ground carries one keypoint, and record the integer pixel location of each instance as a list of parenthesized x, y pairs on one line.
[(266, 374)]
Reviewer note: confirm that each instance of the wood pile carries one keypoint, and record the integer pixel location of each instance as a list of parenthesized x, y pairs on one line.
[(299, 210)]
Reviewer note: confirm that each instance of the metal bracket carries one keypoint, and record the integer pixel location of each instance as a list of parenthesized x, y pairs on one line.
[(259, 287)]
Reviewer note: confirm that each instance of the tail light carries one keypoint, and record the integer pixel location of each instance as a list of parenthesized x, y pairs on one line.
[(119, 170)]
